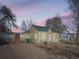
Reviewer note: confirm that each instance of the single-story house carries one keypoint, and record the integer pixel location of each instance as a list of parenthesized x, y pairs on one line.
[(41, 34)]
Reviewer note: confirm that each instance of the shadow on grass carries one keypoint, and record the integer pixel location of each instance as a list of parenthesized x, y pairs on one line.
[(3, 43)]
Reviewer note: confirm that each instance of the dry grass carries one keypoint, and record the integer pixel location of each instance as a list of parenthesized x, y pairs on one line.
[(61, 51), (71, 42)]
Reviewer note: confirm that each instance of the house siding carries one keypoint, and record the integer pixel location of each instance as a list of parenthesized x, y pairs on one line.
[(55, 37), (42, 37)]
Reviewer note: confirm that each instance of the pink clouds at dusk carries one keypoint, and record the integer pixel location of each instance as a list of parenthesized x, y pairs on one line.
[(36, 10), (66, 13), (66, 17), (16, 30), (40, 22), (53, 8), (23, 9)]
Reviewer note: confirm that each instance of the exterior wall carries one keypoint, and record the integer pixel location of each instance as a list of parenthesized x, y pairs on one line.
[(55, 37), (38, 37), (8, 36), (33, 34), (32, 37), (41, 37), (49, 36), (12, 37)]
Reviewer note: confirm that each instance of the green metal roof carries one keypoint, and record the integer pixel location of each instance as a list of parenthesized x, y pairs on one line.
[(41, 28)]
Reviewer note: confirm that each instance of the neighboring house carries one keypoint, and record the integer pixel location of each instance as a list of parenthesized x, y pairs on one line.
[(7, 37), (41, 34)]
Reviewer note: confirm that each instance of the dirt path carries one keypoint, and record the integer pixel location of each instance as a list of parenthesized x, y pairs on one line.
[(21, 51), (27, 51)]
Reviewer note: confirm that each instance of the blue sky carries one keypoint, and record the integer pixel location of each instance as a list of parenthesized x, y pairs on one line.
[(36, 10)]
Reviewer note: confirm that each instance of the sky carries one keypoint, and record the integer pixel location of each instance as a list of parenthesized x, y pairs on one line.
[(36, 10)]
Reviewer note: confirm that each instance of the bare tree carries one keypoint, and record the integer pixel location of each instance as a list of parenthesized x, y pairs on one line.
[(74, 6), (56, 24), (7, 16), (26, 26)]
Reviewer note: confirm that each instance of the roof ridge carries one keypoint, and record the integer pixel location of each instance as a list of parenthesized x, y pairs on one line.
[(39, 26)]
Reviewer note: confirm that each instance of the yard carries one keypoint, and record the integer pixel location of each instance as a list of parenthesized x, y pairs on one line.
[(21, 51), (29, 51), (63, 51)]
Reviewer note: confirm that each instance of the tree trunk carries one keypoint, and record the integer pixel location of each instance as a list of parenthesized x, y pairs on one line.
[(77, 21)]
